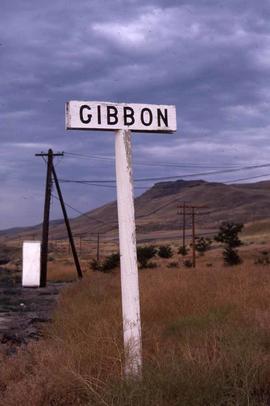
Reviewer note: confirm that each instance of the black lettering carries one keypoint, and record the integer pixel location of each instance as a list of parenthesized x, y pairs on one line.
[(128, 116), (99, 114), (163, 117), (112, 115), (150, 117), (89, 116)]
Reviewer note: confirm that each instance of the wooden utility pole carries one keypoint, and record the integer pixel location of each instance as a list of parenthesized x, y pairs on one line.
[(97, 247), (70, 236), (193, 239), (193, 213), (184, 226), (46, 216)]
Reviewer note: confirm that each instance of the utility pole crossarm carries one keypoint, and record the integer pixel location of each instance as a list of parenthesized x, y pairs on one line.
[(191, 206), (185, 206), (48, 153), (189, 213)]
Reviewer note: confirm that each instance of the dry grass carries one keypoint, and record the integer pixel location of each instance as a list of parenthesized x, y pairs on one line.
[(63, 269), (206, 340)]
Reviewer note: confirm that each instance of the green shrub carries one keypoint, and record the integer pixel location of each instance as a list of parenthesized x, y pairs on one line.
[(111, 262), (144, 254), (187, 263), (165, 251), (263, 259), (202, 244), (172, 265), (151, 265), (8, 254), (95, 265), (183, 250), (228, 235), (231, 256)]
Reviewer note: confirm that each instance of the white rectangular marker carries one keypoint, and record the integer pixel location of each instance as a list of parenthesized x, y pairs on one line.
[(31, 264), (92, 115)]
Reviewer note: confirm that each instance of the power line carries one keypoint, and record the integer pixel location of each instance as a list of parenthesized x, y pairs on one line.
[(86, 183), (100, 157), (155, 164), (96, 181), (204, 173), (80, 212), (115, 222), (95, 184), (141, 216), (249, 178), (159, 208), (153, 211)]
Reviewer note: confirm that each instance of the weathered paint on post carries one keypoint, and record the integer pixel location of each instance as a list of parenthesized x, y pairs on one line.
[(31, 264), (128, 254)]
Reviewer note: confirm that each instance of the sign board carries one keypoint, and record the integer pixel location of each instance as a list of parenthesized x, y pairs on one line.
[(92, 115), (123, 119)]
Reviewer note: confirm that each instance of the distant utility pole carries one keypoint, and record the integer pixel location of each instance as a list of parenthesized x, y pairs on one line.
[(97, 247), (46, 217), (193, 239), (183, 207), (184, 226)]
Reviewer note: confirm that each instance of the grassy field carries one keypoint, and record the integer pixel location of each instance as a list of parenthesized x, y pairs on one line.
[(206, 341)]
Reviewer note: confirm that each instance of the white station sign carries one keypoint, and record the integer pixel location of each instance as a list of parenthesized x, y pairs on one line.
[(93, 115), (123, 119)]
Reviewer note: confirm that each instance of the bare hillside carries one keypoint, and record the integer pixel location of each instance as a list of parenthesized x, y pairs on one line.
[(156, 209)]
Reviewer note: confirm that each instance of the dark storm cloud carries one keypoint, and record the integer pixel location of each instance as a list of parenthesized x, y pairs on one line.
[(210, 58)]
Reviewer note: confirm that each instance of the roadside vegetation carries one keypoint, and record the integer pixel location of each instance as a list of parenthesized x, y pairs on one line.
[(206, 332), (206, 341), (229, 236), (9, 255)]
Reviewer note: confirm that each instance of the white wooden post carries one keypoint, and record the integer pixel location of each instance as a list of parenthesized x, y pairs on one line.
[(128, 254), (123, 118), (31, 264)]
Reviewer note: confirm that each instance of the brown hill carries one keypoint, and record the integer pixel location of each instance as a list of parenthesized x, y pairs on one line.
[(156, 209)]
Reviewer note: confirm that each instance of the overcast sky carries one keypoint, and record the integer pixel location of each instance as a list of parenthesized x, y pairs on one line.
[(209, 58)]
